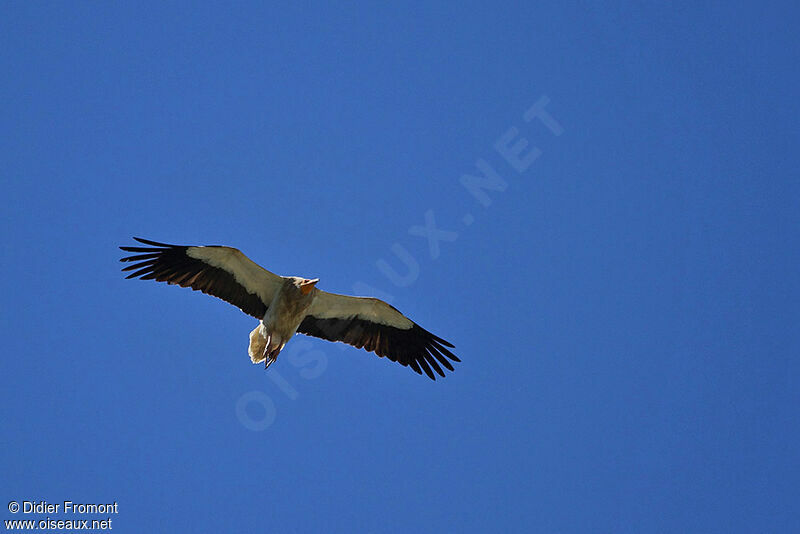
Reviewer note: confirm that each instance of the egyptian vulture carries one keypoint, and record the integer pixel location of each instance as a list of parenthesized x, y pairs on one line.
[(286, 305)]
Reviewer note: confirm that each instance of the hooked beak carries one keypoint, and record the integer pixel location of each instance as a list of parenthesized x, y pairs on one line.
[(307, 285)]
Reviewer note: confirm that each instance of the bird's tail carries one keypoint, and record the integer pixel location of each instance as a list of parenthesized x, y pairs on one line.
[(257, 345)]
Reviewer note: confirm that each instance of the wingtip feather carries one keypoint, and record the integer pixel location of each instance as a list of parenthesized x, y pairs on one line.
[(152, 243)]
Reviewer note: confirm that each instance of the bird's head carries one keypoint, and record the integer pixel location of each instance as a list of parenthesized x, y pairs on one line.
[(305, 285)]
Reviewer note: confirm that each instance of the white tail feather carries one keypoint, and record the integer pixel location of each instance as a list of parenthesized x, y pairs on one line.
[(257, 345)]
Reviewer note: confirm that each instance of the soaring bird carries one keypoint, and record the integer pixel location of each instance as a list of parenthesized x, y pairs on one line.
[(286, 305)]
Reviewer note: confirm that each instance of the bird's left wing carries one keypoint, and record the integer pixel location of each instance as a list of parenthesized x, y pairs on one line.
[(376, 326), (222, 272)]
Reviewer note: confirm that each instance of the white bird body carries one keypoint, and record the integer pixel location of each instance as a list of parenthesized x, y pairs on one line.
[(287, 305), (286, 311)]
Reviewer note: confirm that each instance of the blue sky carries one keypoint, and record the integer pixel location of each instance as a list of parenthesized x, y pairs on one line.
[(625, 305)]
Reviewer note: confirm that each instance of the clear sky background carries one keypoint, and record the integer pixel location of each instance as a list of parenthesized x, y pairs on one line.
[(625, 309)]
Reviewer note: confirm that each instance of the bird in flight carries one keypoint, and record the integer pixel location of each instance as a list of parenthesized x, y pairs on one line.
[(286, 305)]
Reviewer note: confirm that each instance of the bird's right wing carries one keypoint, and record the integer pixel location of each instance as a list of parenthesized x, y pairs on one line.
[(222, 272), (378, 327)]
